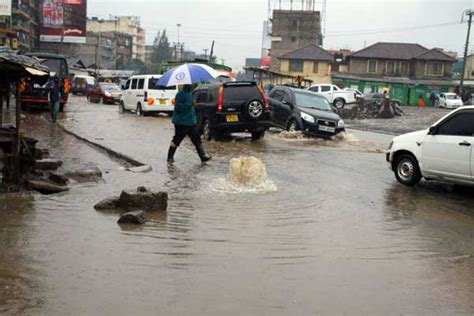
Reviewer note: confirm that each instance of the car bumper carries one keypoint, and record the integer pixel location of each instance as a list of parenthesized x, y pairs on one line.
[(158, 108), (314, 130), (111, 99), (389, 158)]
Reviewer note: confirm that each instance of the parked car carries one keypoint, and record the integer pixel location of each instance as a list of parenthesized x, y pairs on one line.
[(295, 109), (442, 152), (143, 95), (80, 84), (231, 107), (337, 97), (449, 101), (104, 92), (374, 97)]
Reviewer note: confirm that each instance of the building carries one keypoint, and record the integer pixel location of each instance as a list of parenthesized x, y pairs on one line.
[(21, 31), (409, 70), (148, 53), (128, 25), (469, 73), (311, 62), (293, 29)]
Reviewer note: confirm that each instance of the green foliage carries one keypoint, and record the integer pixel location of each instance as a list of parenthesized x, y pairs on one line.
[(162, 50)]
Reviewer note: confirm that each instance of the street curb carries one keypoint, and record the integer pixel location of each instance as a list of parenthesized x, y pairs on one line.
[(372, 131), (108, 150)]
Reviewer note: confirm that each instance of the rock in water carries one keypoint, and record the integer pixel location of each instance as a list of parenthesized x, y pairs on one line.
[(148, 201), (45, 187), (59, 178), (107, 204), (134, 217)]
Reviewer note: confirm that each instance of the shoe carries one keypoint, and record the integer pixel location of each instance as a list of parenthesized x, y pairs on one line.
[(202, 154)]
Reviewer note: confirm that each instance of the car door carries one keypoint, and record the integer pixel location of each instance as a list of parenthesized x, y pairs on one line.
[(448, 153), (326, 91), (442, 100), (286, 108), (275, 98), (127, 94)]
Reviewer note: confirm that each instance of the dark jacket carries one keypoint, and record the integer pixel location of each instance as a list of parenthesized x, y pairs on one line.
[(184, 112)]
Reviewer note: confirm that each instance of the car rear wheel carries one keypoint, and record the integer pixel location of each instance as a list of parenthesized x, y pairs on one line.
[(339, 103), (255, 109), (258, 135), (139, 111), (206, 130), (407, 170)]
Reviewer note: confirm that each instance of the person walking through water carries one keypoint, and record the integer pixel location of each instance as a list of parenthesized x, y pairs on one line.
[(54, 98), (184, 120)]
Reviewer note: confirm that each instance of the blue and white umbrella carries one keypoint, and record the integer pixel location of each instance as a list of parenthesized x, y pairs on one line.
[(187, 74)]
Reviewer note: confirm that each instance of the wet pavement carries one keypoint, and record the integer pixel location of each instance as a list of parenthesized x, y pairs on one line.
[(415, 119), (338, 235)]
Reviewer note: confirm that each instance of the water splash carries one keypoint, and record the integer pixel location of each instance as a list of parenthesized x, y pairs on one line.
[(296, 135), (246, 175)]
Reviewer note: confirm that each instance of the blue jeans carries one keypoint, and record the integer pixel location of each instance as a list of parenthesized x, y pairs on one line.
[(54, 109)]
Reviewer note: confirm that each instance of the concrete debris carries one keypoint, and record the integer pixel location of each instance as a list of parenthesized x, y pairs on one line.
[(107, 204), (45, 187), (58, 178), (86, 175), (140, 169), (134, 217), (147, 200), (48, 164)]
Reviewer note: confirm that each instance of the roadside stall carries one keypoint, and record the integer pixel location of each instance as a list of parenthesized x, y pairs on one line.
[(16, 151)]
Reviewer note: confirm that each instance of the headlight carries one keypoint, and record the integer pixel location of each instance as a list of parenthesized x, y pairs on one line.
[(307, 117), (340, 124), (107, 94)]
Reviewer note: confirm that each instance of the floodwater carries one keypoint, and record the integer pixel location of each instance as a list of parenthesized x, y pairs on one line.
[(335, 235)]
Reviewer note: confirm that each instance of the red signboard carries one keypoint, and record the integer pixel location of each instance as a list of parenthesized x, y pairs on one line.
[(63, 21)]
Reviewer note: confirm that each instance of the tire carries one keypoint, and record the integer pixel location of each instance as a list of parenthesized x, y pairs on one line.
[(292, 126), (121, 107), (255, 109), (406, 169), (207, 133), (339, 103), (139, 111), (258, 135)]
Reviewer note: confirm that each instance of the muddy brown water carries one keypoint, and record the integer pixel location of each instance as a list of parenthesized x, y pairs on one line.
[(339, 235)]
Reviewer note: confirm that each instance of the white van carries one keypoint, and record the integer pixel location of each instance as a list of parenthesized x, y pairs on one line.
[(142, 94)]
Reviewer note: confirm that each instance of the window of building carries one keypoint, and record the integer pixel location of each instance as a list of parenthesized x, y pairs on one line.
[(390, 67), (404, 68), (434, 69), (293, 39), (296, 65), (372, 66), (315, 67), (295, 23)]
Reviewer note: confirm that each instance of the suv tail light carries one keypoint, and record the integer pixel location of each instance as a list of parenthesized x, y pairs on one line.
[(220, 99), (265, 99), (146, 96)]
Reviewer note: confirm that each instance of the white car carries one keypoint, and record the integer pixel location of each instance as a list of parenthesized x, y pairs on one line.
[(442, 152), (143, 95), (334, 95), (449, 101)]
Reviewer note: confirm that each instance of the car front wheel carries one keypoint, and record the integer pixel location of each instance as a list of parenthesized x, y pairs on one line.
[(407, 170), (339, 103), (258, 135), (139, 111), (292, 126), (121, 107)]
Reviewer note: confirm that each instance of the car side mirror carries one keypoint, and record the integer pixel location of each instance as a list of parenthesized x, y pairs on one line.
[(433, 130)]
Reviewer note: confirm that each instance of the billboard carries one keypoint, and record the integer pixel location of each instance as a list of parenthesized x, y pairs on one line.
[(63, 20), (6, 7)]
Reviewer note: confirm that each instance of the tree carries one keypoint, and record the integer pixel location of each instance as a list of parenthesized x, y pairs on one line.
[(162, 50)]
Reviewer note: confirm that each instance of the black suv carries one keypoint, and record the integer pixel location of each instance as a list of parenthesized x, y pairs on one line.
[(295, 109), (231, 107)]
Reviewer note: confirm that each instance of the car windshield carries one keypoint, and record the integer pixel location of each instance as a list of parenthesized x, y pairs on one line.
[(451, 96), (109, 86), (153, 85), (307, 100)]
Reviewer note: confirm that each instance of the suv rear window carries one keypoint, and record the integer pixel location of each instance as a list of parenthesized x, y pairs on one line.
[(153, 85), (241, 92)]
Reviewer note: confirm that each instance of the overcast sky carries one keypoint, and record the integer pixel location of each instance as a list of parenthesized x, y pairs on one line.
[(236, 25)]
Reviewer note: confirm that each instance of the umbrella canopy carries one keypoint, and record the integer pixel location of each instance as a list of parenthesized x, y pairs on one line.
[(187, 74)]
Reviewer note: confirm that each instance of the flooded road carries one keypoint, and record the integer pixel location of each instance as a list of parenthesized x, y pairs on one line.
[(337, 235)]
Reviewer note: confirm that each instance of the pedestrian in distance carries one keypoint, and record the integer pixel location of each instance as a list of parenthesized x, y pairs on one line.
[(421, 102), (184, 120), (433, 99), (54, 97)]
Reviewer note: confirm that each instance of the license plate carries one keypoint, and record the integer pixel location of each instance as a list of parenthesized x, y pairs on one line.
[(327, 129), (232, 118), (163, 101)]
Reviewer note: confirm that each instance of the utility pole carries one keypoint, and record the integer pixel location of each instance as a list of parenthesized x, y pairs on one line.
[(469, 13), (212, 52)]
